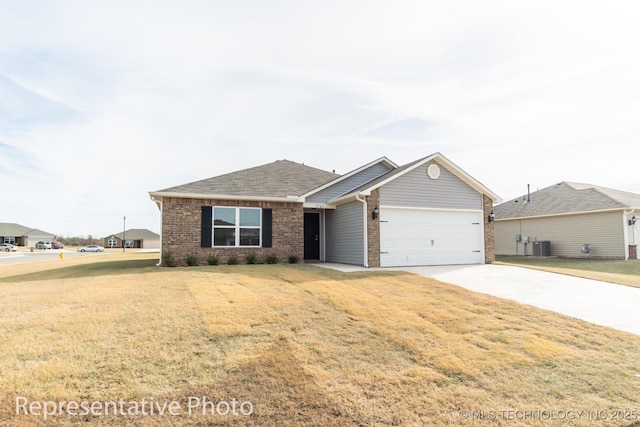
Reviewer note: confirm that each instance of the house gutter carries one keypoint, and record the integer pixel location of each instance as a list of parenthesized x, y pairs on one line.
[(161, 194), (364, 217), (558, 214)]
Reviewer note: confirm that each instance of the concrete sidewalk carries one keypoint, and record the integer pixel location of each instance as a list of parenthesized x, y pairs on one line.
[(602, 303)]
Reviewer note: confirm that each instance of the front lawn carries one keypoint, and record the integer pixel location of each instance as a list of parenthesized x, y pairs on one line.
[(303, 345)]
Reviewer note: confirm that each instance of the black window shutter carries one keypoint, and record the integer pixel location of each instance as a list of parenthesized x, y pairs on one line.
[(266, 228), (206, 228)]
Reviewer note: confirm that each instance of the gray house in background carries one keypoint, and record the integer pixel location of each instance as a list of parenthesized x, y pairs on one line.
[(568, 215), (427, 212), (20, 235), (134, 238)]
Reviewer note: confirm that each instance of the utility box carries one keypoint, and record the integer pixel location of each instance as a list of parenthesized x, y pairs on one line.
[(542, 248)]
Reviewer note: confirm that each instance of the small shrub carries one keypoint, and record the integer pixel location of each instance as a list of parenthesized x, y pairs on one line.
[(271, 259), (213, 259), (233, 260), (191, 260), (167, 260), (293, 259), (251, 258)]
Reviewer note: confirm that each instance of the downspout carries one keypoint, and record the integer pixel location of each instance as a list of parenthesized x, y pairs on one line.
[(634, 233), (364, 217), (159, 204)]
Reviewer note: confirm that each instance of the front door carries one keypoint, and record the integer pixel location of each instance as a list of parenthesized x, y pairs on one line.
[(311, 235)]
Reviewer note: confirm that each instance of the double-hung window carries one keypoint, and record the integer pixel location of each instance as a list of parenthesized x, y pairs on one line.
[(236, 226)]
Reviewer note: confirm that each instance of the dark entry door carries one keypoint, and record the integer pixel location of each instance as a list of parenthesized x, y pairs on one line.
[(311, 236)]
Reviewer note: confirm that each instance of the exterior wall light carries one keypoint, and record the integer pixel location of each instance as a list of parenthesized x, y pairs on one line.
[(375, 212), (632, 221), (491, 216)]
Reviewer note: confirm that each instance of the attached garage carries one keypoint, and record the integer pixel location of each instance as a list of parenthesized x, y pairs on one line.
[(428, 212), (412, 237)]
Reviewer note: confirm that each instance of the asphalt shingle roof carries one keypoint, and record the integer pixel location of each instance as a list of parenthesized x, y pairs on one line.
[(138, 234), (17, 230), (281, 178), (567, 197)]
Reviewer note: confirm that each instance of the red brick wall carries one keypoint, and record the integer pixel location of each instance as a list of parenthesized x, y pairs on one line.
[(489, 234), (181, 222), (373, 229)]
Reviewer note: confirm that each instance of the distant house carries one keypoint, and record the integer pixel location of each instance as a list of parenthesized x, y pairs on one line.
[(20, 235), (427, 212), (133, 238), (569, 215)]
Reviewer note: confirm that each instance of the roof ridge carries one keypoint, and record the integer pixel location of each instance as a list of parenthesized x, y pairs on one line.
[(598, 189)]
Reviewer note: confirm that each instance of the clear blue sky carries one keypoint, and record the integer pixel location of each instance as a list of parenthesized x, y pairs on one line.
[(103, 101)]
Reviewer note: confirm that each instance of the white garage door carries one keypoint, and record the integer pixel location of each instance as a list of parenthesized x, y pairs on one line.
[(422, 237)]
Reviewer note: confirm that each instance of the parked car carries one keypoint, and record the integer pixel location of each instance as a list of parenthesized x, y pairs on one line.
[(7, 247), (43, 245), (91, 248), (57, 245)]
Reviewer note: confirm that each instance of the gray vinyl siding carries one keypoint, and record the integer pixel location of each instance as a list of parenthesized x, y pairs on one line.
[(348, 184), (344, 234), (603, 231), (416, 189)]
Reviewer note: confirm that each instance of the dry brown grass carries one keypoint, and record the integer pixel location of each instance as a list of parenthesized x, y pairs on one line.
[(306, 346), (27, 266)]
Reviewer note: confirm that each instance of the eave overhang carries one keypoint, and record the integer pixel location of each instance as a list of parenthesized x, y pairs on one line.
[(156, 196)]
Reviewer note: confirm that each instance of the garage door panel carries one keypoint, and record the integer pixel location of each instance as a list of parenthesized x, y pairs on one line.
[(423, 237)]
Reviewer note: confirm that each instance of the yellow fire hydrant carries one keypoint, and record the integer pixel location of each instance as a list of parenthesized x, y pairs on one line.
[(61, 255)]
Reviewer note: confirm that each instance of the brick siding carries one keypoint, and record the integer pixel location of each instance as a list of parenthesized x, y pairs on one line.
[(489, 233), (373, 229), (181, 222)]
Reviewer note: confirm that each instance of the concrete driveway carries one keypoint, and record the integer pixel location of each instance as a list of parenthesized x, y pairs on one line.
[(602, 303)]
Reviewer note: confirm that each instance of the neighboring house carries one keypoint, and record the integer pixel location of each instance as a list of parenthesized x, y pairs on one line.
[(134, 238), (568, 215), (20, 235), (427, 212)]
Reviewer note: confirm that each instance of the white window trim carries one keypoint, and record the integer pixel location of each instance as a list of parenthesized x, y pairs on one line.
[(236, 227)]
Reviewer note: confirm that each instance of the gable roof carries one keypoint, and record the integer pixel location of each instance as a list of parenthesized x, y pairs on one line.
[(285, 180), (347, 175), (567, 197), (281, 179), (398, 172), (17, 230), (137, 234)]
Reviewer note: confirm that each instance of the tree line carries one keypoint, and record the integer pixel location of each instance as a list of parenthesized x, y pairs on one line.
[(80, 240)]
